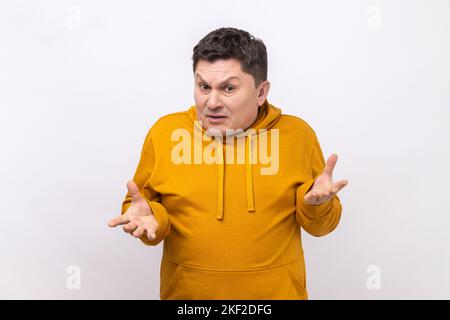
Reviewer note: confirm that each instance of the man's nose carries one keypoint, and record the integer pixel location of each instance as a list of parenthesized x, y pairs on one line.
[(213, 102)]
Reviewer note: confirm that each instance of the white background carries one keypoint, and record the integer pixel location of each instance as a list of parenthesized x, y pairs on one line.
[(81, 82)]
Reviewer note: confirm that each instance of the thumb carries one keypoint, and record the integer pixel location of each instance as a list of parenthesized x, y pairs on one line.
[(133, 190), (330, 164)]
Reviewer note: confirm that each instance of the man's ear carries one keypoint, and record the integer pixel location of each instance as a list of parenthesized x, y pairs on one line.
[(263, 91)]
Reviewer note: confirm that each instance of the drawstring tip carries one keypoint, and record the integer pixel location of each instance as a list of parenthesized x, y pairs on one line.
[(219, 214)]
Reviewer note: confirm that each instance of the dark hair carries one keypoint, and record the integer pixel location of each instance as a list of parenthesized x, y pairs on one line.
[(227, 43)]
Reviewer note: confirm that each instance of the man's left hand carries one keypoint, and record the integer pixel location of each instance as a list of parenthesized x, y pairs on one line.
[(324, 188)]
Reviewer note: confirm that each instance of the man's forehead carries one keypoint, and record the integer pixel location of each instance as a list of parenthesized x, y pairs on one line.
[(220, 70), (226, 78)]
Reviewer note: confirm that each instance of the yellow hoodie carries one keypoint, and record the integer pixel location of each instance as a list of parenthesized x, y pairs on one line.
[(232, 230)]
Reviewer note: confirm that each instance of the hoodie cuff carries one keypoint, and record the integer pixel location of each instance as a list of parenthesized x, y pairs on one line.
[(311, 211)]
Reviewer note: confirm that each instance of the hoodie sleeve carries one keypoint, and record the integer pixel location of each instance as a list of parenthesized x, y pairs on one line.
[(317, 220), (142, 179)]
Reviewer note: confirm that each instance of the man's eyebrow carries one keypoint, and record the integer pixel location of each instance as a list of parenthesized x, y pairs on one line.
[(224, 81)]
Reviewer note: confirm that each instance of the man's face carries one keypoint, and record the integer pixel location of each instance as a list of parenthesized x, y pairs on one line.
[(226, 97)]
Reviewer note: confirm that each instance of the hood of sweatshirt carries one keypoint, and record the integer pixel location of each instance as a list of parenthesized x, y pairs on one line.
[(268, 116)]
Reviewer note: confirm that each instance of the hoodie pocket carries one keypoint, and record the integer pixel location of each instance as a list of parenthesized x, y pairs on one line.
[(298, 275), (168, 285), (286, 281)]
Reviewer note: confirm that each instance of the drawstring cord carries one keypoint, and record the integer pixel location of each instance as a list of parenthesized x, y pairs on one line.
[(220, 180), (249, 171), (249, 176)]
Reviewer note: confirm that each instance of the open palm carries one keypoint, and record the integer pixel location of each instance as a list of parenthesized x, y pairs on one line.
[(138, 219), (324, 188)]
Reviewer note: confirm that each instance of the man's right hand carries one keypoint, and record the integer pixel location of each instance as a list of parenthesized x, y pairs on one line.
[(138, 219)]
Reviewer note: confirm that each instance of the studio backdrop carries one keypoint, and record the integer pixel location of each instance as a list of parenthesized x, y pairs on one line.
[(81, 83)]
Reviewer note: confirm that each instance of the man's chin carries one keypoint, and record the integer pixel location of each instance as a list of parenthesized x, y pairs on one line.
[(216, 130), (223, 131)]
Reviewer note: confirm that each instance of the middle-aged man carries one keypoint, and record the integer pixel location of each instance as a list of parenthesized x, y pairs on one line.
[(229, 183)]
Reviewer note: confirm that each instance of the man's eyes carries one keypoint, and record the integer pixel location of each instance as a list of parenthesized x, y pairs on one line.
[(227, 88), (230, 87)]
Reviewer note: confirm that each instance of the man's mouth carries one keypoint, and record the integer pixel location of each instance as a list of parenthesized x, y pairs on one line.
[(215, 118)]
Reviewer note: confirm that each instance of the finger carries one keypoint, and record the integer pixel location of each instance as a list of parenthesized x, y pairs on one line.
[(329, 166), (310, 197), (133, 190), (130, 227), (319, 195), (337, 186), (327, 193), (122, 219), (138, 232), (151, 234)]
